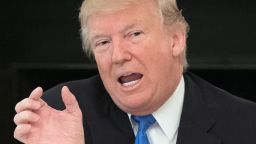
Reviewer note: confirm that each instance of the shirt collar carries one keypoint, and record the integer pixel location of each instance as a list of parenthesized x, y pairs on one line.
[(168, 115)]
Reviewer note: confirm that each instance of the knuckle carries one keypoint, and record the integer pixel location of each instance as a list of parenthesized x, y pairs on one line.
[(16, 132), (20, 105), (20, 131), (23, 105), (17, 107), (22, 117), (26, 115), (27, 102), (15, 119)]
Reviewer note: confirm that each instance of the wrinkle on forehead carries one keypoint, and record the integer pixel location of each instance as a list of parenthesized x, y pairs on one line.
[(131, 10), (104, 24)]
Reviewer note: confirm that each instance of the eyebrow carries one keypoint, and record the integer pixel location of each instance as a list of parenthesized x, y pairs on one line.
[(96, 37), (127, 27)]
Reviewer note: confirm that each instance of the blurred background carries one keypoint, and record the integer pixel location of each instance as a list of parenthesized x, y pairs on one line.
[(40, 45)]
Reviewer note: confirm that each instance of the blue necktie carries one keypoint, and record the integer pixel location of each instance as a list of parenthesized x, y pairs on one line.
[(144, 123)]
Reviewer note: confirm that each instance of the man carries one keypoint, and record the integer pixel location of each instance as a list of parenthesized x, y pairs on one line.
[(139, 47)]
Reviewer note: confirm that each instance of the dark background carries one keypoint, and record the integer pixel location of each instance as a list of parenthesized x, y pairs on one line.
[(40, 45)]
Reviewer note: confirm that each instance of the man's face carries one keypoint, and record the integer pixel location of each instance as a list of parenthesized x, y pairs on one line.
[(135, 57)]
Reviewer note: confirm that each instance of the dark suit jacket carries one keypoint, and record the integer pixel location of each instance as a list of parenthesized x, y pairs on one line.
[(210, 115)]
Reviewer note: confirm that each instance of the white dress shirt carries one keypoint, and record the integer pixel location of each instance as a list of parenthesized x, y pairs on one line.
[(165, 129)]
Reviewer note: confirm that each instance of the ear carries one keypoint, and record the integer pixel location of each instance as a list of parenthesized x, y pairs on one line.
[(178, 39)]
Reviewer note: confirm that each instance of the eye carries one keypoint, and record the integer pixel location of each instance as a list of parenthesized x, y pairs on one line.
[(135, 36), (136, 33), (102, 43)]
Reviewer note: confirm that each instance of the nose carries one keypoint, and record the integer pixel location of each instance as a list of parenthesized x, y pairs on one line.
[(120, 53)]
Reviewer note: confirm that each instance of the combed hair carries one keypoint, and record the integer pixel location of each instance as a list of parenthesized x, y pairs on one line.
[(168, 8)]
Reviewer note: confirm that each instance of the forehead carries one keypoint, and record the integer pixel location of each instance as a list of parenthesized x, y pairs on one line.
[(139, 14)]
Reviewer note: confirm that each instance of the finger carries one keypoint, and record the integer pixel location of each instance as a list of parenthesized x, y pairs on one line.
[(36, 93), (21, 132), (28, 104), (25, 117), (69, 100)]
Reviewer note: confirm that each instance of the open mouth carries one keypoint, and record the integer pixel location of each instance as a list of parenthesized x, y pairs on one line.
[(129, 80)]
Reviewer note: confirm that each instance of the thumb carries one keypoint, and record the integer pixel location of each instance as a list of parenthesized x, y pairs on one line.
[(69, 100)]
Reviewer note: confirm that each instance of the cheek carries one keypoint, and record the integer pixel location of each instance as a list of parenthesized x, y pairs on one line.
[(104, 68), (103, 64), (159, 61)]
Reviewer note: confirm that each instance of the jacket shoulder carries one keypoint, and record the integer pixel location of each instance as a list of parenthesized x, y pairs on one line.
[(235, 117), (85, 91), (213, 95)]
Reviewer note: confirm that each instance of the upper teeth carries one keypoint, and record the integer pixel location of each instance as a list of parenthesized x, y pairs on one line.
[(126, 74)]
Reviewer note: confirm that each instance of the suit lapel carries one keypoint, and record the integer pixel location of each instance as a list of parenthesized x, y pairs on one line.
[(196, 120), (112, 125)]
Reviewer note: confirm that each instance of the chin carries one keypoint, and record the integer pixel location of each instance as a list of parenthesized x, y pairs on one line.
[(132, 104)]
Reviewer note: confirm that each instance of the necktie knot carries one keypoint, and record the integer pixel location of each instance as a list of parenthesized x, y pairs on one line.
[(144, 123)]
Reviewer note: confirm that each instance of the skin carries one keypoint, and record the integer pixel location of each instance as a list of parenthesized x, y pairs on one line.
[(130, 40), (135, 40), (38, 123)]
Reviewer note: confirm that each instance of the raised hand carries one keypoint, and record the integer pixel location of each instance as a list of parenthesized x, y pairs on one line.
[(38, 123)]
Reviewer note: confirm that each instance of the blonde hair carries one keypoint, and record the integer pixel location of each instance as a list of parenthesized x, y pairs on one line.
[(168, 8)]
